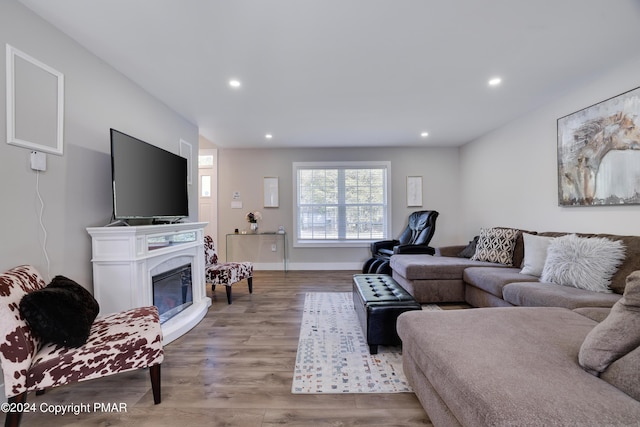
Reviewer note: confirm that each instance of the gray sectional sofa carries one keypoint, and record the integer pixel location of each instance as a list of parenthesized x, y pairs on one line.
[(446, 277), (518, 358)]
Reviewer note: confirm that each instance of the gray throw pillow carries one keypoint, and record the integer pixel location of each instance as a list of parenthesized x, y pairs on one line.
[(616, 335), (470, 249)]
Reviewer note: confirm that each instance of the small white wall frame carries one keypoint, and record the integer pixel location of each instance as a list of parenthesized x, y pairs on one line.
[(271, 192), (35, 103), (414, 191), (186, 151)]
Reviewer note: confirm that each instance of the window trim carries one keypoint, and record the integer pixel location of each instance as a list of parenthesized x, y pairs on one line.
[(308, 243)]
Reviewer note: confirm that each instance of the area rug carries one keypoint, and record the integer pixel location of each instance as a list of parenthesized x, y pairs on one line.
[(333, 355)]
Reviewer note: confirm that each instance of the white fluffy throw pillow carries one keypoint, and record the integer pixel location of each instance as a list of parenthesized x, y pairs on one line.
[(584, 263)]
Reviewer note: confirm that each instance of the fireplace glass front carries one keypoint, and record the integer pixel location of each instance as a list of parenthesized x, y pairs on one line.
[(172, 291)]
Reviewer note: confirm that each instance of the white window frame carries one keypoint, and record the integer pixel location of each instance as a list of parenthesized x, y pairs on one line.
[(307, 243)]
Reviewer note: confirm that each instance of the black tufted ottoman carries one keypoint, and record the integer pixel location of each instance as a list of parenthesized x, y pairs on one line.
[(378, 301)]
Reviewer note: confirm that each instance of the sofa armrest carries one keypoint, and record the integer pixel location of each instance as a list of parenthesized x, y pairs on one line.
[(413, 249), (449, 250), (383, 244)]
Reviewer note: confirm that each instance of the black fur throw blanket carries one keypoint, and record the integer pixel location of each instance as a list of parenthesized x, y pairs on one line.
[(62, 312)]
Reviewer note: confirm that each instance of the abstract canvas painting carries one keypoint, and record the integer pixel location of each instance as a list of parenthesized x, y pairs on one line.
[(599, 153)]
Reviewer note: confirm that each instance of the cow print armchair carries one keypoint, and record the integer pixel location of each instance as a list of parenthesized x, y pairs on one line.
[(225, 273), (117, 342)]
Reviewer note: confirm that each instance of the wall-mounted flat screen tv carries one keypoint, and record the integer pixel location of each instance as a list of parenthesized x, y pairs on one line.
[(147, 181)]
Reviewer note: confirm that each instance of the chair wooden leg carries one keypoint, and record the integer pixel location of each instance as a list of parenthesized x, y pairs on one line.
[(154, 372), (13, 418), (228, 293), (250, 283)]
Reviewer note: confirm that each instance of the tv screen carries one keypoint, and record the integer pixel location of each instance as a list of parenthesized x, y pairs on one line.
[(147, 181)]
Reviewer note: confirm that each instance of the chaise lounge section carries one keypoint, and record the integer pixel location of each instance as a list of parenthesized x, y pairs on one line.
[(513, 367)]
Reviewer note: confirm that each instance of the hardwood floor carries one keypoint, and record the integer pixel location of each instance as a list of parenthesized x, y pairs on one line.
[(233, 369)]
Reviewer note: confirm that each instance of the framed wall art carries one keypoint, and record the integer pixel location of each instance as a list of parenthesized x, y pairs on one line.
[(35, 103), (414, 191), (270, 190), (599, 153)]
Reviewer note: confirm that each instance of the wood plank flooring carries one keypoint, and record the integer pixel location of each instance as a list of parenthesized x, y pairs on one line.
[(234, 369)]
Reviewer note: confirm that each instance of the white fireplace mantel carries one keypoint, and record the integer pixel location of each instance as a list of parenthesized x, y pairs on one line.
[(124, 258)]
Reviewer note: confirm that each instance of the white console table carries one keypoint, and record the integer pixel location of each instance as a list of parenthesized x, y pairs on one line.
[(126, 258)]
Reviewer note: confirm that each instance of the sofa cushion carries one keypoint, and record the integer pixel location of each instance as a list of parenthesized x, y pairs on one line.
[(119, 342), (512, 366), (594, 313), (535, 253), (496, 245), (493, 279), (616, 335), (624, 374), (585, 263), (429, 267), (540, 294)]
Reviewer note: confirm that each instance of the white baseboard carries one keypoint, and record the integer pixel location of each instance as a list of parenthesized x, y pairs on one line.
[(308, 266)]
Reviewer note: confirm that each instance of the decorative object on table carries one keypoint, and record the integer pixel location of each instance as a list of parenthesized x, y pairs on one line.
[(597, 153), (270, 186), (280, 229), (253, 218)]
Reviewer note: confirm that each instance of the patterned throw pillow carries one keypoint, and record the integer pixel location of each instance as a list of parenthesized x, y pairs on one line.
[(496, 245)]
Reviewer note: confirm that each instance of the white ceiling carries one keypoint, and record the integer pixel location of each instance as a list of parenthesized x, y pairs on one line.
[(338, 73)]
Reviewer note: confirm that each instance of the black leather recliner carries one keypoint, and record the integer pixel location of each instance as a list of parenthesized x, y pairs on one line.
[(413, 240)]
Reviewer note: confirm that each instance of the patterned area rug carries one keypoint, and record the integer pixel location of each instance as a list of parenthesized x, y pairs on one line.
[(333, 355)]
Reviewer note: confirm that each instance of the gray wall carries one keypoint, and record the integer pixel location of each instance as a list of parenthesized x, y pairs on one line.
[(243, 170), (509, 177), (76, 186)]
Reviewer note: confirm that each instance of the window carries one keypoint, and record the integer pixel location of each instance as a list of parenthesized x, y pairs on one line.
[(343, 202)]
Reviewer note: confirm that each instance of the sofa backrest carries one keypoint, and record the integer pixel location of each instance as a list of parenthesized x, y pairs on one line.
[(18, 345)]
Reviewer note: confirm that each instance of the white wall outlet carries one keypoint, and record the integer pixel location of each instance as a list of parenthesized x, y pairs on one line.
[(38, 161), (274, 247)]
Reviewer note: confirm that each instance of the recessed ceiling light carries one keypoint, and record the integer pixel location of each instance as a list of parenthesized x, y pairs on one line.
[(495, 81), (234, 83), (424, 134), (268, 136)]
